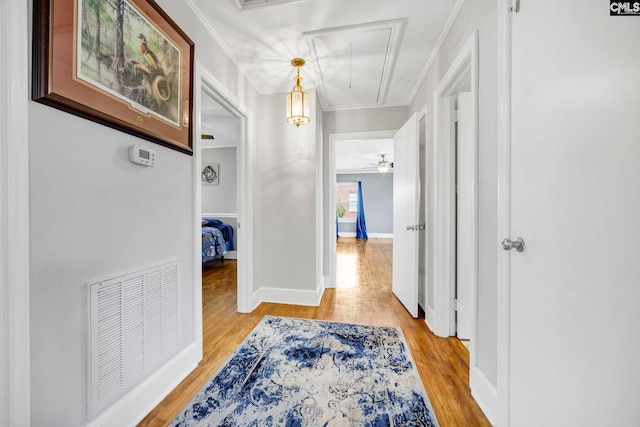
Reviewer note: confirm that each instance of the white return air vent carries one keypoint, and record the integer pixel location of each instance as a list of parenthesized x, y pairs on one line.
[(133, 330)]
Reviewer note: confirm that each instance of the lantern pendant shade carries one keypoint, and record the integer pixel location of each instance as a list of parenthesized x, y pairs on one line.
[(298, 112)]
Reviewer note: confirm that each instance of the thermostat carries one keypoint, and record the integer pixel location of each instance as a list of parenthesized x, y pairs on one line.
[(142, 156)]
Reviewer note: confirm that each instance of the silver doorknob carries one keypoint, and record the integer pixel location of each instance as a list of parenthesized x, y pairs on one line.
[(518, 244), (410, 227)]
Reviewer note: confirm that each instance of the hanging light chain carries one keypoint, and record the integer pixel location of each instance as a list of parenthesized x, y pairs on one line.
[(349, 65)]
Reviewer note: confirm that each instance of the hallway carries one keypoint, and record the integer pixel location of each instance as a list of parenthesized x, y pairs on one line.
[(363, 295)]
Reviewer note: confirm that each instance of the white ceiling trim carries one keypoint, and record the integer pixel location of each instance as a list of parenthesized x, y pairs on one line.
[(361, 171), (445, 32), (221, 42), (360, 106), (254, 4), (395, 26)]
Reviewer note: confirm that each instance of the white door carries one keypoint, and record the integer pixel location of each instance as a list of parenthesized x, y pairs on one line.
[(406, 195), (464, 217), (575, 200)]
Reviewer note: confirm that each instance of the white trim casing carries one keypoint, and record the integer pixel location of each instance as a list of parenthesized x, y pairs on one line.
[(465, 65), (245, 186), (197, 221), (15, 396), (504, 210), (484, 393)]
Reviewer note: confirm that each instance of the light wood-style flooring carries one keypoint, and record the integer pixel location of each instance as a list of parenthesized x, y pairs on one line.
[(362, 295)]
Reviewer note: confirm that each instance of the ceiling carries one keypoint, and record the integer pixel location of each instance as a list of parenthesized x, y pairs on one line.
[(359, 54), (219, 122), (362, 156)]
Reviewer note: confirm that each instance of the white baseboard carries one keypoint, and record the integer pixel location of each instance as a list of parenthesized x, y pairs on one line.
[(327, 282), (136, 404), (288, 296), (484, 393), (370, 235), (430, 318)]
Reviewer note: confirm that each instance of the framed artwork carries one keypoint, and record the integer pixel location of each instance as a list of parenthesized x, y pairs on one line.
[(121, 63), (211, 174)]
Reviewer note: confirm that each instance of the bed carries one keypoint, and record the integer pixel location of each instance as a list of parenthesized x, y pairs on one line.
[(226, 229), (213, 244)]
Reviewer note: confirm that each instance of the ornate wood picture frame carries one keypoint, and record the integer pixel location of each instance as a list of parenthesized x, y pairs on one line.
[(121, 63)]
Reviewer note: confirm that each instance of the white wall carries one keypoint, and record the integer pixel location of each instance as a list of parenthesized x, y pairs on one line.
[(287, 190), (221, 198), (478, 15), (94, 215)]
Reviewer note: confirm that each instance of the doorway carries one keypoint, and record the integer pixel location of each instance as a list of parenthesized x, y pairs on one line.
[(229, 114), (330, 227), (455, 197), (219, 141)]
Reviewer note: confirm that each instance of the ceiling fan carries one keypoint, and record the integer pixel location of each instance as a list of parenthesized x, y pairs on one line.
[(383, 165)]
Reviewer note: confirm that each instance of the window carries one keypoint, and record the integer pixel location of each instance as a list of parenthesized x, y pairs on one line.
[(347, 206), (353, 201)]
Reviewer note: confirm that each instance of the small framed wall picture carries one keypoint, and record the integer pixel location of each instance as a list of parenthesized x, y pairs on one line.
[(211, 174)]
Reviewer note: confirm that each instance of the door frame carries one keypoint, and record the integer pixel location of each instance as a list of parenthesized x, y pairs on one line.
[(504, 211), (330, 226), (444, 215), (205, 81), (15, 369)]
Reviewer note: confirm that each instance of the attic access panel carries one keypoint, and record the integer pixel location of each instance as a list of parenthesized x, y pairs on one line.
[(356, 62)]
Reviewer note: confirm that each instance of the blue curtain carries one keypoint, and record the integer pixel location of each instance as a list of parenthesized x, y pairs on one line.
[(361, 224)]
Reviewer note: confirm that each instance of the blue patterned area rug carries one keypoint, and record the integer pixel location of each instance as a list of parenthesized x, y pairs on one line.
[(296, 372)]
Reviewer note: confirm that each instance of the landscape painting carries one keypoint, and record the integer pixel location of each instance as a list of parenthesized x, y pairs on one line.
[(121, 52), (124, 64)]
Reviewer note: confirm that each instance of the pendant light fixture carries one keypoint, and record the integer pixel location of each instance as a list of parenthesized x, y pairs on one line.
[(298, 99)]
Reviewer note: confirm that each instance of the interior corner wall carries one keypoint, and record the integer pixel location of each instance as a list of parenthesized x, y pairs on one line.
[(287, 189), (93, 215), (480, 15)]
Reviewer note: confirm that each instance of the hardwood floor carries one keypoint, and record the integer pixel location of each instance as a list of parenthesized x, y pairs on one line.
[(362, 295)]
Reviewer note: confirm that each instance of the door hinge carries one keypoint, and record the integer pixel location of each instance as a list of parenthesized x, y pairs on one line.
[(455, 305), (515, 8)]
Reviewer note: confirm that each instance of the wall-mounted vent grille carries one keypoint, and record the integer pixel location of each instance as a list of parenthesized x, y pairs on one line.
[(133, 329)]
